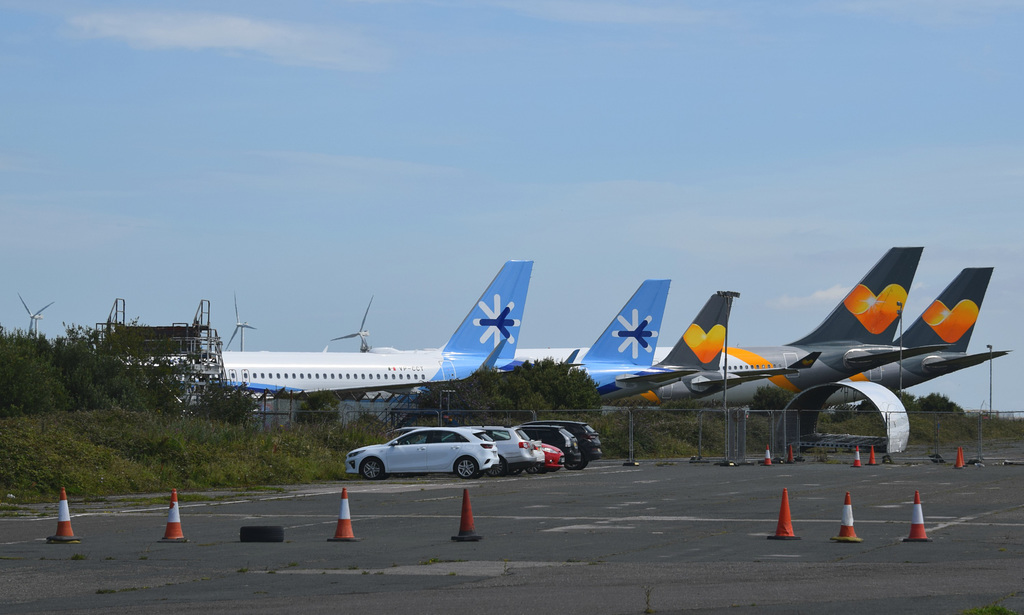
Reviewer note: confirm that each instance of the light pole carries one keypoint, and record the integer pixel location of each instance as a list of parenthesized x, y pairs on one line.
[(899, 314), (990, 410), (728, 295), (448, 399), (989, 346)]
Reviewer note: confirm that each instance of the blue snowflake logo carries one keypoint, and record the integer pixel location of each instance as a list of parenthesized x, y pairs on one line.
[(497, 322), (636, 334)]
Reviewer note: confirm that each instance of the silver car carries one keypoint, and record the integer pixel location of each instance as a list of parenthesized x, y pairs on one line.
[(516, 452)]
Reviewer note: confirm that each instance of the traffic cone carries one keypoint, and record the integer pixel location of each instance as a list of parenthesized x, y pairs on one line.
[(767, 456), (467, 529), (789, 454), (959, 465), (856, 457), (784, 531), (173, 531), (871, 458), (64, 534), (846, 533), (917, 523), (344, 531)]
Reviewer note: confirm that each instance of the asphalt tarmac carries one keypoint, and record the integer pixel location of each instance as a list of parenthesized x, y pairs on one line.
[(663, 537)]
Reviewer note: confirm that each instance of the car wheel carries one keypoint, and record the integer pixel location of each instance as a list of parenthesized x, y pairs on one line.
[(579, 465), (498, 469), (533, 469), (466, 467), (261, 533), (372, 469)]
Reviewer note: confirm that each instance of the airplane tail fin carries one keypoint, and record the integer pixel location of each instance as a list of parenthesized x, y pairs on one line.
[(632, 335), (869, 313), (495, 317), (702, 343), (950, 318)]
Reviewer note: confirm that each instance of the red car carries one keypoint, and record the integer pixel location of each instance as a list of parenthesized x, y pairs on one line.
[(554, 459)]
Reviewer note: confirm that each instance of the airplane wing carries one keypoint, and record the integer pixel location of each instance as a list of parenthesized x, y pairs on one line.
[(656, 377), (945, 365), (866, 360)]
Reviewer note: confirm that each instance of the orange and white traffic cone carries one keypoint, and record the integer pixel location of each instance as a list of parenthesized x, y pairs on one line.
[(856, 457), (789, 454), (467, 529), (959, 465), (344, 531), (784, 530), (871, 457), (173, 531), (64, 534), (846, 533), (767, 456), (917, 523)]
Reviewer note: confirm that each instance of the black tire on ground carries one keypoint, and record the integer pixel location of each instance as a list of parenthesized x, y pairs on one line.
[(466, 467), (498, 469), (261, 533), (372, 469), (579, 465), (535, 469)]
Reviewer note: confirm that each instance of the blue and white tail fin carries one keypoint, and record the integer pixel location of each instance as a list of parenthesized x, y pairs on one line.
[(495, 317), (632, 335)]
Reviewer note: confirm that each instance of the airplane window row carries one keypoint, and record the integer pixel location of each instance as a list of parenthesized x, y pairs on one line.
[(308, 376)]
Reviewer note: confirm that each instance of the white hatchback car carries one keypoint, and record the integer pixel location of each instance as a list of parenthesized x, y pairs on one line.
[(467, 452)]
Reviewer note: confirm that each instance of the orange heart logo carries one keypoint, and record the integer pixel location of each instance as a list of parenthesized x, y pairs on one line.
[(951, 324), (876, 312), (705, 345)]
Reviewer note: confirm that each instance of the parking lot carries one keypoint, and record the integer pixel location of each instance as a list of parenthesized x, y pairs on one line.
[(661, 537)]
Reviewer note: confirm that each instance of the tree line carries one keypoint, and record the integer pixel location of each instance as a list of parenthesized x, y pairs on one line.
[(88, 369)]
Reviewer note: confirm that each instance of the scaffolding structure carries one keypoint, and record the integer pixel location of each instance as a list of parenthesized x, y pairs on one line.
[(194, 344)]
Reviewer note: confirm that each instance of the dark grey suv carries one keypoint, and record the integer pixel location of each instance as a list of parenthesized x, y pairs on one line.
[(587, 437), (557, 437)]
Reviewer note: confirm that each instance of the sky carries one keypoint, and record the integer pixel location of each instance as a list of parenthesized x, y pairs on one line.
[(307, 156)]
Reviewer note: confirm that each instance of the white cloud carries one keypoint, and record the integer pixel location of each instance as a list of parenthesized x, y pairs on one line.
[(282, 43), (628, 13), (929, 11), (829, 296)]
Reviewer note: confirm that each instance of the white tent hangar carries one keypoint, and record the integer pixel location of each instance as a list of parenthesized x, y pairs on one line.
[(800, 418)]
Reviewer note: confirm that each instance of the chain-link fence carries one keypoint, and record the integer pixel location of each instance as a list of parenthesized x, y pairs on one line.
[(740, 436)]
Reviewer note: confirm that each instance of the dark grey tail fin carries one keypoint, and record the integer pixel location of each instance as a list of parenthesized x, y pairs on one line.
[(869, 313), (702, 343), (950, 318)]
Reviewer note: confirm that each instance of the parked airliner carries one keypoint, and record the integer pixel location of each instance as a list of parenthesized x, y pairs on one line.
[(856, 336), (948, 320), (624, 349), (486, 338)]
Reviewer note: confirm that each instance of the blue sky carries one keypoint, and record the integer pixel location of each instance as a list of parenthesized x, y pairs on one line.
[(310, 155)]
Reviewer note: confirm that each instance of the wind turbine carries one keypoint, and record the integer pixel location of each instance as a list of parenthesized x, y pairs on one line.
[(363, 334), (239, 326), (33, 323)]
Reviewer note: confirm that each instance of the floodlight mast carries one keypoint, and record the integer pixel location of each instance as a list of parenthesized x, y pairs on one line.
[(729, 295)]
